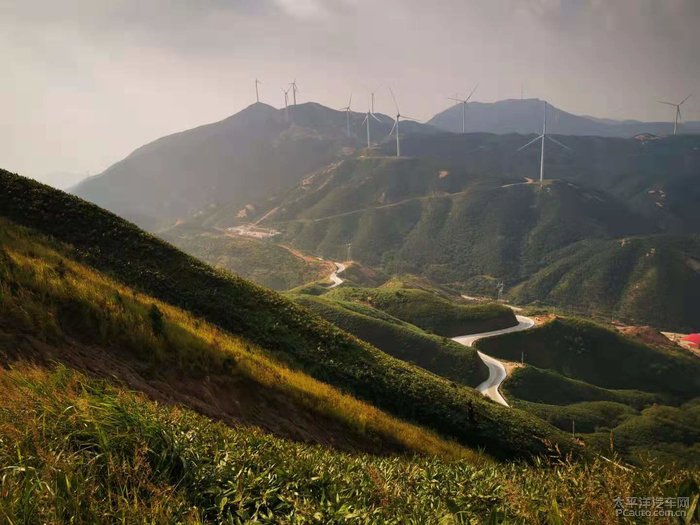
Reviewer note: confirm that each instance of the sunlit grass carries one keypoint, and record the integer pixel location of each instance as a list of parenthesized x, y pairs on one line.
[(82, 451), (56, 295)]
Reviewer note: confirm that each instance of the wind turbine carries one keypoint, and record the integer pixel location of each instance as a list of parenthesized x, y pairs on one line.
[(464, 102), (543, 137), (294, 87), (347, 114), (370, 113), (257, 95), (399, 116), (678, 111), (286, 101)]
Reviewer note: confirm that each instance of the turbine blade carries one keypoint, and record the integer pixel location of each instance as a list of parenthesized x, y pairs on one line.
[(409, 118), (395, 103), (375, 118), (365, 120), (472, 93), (350, 101), (680, 115), (392, 128), (531, 142), (558, 143), (455, 99), (667, 103), (686, 98)]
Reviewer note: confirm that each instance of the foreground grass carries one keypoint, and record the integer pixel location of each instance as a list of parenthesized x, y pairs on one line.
[(81, 451)]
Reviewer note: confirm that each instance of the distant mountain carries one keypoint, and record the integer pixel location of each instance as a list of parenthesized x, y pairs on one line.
[(462, 212), (525, 116), (259, 151)]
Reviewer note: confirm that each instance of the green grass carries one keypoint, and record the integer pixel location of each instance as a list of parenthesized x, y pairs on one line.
[(289, 333), (590, 352), (81, 451), (430, 311), (538, 385), (586, 417), (74, 310), (440, 355)]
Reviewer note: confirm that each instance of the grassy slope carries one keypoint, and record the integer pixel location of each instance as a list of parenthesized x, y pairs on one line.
[(402, 340), (260, 261), (642, 279), (589, 352), (291, 333), (430, 311), (546, 386), (80, 448), (54, 308)]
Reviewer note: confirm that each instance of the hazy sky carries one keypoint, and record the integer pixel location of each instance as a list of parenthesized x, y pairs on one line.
[(87, 81)]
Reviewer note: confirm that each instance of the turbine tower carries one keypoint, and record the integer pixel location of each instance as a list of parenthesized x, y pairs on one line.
[(347, 114), (399, 116), (464, 102), (295, 89), (543, 137), (371, 114), (257, 94), (678, 111), (286, 101)]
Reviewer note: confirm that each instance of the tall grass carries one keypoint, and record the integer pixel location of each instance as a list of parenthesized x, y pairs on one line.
[(75, 450), (54, 298)]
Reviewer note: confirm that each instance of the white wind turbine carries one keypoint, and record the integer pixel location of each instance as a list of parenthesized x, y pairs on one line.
[(295, 90), (543, 137), (257, 95), (464, 102), (399, 116), (678, 111), (370, 113), (347, 114)]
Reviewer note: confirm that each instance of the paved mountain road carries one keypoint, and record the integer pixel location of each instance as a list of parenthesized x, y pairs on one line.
[(497, 372)]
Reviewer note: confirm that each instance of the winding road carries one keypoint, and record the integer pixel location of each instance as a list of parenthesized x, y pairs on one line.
[(497, 372), (339, 267)]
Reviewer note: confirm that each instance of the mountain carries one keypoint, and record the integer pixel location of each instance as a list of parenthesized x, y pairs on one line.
[(288, 334), (525, 116), (139, 384), (472, 219), (256, 152)]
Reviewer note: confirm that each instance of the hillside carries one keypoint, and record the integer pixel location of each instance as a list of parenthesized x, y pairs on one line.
[(525, 116), (405, 341), (614, 392), (258, 260), (258, 151), (116, 457), (580, 349), (289, 334), (652, 279), (53, 308), (465, 227), (429, 311)]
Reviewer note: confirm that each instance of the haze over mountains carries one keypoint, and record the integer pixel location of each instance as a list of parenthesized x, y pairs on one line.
[(525, 116)]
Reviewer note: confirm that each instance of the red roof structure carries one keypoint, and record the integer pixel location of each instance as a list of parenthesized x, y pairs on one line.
[(692, 340)]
